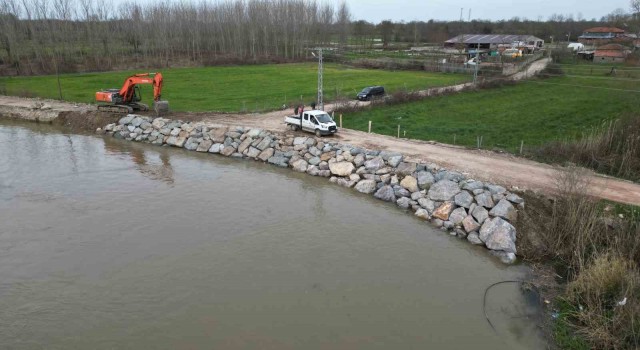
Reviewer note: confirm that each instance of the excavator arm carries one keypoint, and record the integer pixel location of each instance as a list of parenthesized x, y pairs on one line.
[(128, 89)]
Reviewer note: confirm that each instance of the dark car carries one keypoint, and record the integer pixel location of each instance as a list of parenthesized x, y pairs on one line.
[(367, 93)]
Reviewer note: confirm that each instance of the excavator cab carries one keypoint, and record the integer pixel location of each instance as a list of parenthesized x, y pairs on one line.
[(137, 95)]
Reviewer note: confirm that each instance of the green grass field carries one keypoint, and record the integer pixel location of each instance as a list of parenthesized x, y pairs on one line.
[(234, 88), (535, 112)]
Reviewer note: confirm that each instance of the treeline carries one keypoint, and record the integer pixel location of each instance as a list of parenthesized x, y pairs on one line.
[(48, 36)]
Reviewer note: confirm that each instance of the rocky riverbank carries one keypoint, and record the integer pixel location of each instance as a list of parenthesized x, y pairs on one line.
[(479, 212)]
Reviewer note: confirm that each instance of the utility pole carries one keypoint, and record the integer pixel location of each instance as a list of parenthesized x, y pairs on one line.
[(320, 73), (319, 102), (475, 73)]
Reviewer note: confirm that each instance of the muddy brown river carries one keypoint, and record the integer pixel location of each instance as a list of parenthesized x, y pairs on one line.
[(107, 244)]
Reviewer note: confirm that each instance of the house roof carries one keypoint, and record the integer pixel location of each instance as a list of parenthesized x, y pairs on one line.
[(611, 50), (604, 30), (611, 47), (490, 38), (609, 53)]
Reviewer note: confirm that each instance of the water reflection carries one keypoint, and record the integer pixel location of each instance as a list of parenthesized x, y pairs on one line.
[(152, 170)]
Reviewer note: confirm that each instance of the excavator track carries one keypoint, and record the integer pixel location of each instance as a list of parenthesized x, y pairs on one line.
[(115, 109)]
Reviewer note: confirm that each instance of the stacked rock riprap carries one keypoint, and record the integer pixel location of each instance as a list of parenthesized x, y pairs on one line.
[(482, 213)]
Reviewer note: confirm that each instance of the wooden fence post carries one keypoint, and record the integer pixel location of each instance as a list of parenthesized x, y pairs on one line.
[(369, 126)]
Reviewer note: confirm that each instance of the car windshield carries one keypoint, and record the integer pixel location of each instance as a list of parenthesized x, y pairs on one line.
[(323, 118), (366, 90)]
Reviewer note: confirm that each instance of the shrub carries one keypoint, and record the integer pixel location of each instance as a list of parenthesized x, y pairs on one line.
[(607, 294), (613, 149)]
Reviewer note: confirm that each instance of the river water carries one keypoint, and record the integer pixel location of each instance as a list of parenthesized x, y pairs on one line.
[(108, 244)]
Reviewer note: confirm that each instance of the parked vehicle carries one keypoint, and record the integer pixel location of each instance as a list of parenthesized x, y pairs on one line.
[(369, 92), (472, 62), (318, 122), (575, 47), (513, 53)]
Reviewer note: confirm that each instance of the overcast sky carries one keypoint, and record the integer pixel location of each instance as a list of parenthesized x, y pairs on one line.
[(409, 10)]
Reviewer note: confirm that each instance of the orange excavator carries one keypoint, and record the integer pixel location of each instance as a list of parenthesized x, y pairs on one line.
[(127, 99)]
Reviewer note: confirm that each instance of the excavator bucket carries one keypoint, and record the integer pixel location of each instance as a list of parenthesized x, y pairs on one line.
[(161, 107)]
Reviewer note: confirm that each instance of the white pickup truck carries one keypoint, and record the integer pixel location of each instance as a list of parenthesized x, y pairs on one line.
[(318, 122)]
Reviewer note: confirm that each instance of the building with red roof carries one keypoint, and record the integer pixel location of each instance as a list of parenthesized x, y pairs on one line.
[(601, 35), (611, 53)]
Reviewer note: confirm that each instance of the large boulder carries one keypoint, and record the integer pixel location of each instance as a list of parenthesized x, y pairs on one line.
[(410, 183), (299, 141), (406, 168), (495, 189), (366, 186), (423, 214), (280, 161), (218, 135), (401, 191), (403, 202), (159, 123), (498, 234), (253, 152), (192, 144), (342, 168), (385, 193), (457, 216), (204, 146), (484, 199), (387, 154), (126, 120), (264, 144), (244, 144), (394, 161), (374, 164), (474, 239), (469, 224), (505, 210), (514, 198), (425, 179), (300, 165), (480, 214), (359, 160), (216, 148), (227, 151), (266, 154), (450, 175), (428, 204), (443, 211), (254, 132), (177, 141), (463, 199), (471, 185), (443, 190)]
